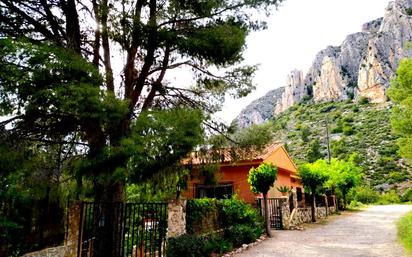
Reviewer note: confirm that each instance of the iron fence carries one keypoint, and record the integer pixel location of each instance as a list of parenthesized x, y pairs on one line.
[(274, 210), (122, 229)]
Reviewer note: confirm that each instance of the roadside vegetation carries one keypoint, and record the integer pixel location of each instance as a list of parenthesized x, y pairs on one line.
[(405, 231), (215, 227), (361, 128)]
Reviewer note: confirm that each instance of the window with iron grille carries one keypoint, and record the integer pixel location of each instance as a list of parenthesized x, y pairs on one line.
[(220, 191)]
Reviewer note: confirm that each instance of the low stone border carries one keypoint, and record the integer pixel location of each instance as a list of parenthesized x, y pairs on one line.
[(245, 247)]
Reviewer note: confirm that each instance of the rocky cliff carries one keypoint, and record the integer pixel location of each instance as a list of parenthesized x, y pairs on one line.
[(361, 67), (294, 91), (385, 49), (259, 110)]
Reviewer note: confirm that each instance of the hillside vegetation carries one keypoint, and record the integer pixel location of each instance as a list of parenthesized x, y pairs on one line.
[(360, 128)]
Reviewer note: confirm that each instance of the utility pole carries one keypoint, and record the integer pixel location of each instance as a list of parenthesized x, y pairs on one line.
[(327, 136)]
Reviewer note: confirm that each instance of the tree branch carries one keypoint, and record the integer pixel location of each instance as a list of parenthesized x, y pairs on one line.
[(106, 48), (39, 27), (156, 86), (149, 58), (174, 21)]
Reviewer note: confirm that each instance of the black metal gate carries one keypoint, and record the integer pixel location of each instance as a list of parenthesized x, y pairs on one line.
[(275, 211), (131, 229)]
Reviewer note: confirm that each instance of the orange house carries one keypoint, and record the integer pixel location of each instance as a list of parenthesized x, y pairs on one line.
[(233, 172)]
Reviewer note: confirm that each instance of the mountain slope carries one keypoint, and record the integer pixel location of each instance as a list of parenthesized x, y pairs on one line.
[(353, 127), (259, 110)]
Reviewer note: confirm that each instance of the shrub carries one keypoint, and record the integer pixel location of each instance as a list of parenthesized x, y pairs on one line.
[(304, 133), (407, 196), (389, 197), (405, 231), (336, 129), (363, 194), (347, 129), (363, 100), (409, 11), (201, 215), (242, 234), (355, 204), (348, 119), (216, 243), (186, 246), (234, 211), (355, 108)]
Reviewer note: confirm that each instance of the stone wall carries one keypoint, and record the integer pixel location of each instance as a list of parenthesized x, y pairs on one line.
[(176, 224), (69, 249), (285, 214), (304, 215), (299, 216), (72, 232), (59, 251)]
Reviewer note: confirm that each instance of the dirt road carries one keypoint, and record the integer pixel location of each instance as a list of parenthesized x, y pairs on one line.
[(369, 233)]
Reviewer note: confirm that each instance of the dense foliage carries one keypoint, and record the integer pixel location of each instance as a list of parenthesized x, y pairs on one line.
[(404, 226), (215, 227), (314, 175), (342, 177), (205, 215), (262, 178), (90, 79), (400, 93), (371, 139)]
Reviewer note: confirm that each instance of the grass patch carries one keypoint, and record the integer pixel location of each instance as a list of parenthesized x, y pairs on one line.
[(405, 231)]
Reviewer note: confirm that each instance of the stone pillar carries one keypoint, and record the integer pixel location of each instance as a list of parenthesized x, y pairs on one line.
[(285, 212), (73, 225), (295, 198), (325, 197), (176, 223)]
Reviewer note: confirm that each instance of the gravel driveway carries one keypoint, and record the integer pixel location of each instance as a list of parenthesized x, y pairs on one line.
[(362, 234)]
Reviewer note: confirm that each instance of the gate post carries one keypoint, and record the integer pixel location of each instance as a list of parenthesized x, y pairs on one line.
[(176, 221), (285, 212), (72, 232)]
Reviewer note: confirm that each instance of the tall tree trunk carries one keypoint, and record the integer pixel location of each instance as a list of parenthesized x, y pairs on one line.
[(266, 209), (313, 206)]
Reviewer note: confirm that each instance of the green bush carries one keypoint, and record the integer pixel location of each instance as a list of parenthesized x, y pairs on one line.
[(216, 243), (186, 246), (202, 213), (409, 11), (363, 194), (240, 222), (363, 100), (347, 129), (198, 211), (234, 211), (336, 129), (389, 197), (355, 205), (405, 231), (407, 196), (194, 245), (242, 234)]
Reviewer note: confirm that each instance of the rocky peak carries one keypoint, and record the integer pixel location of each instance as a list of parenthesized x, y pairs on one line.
[(372, 26), (314, 70), (294, 91), (334, 72), (385, 50), (362, 66)]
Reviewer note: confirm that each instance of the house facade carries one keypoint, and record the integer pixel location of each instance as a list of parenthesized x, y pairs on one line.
[(233, 169)]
